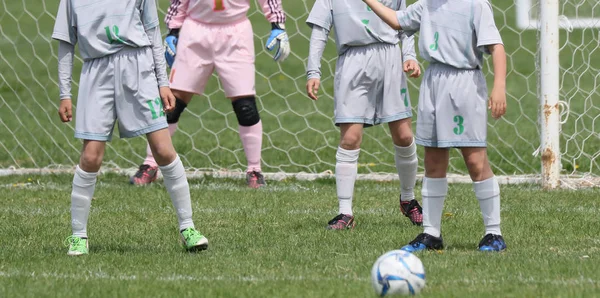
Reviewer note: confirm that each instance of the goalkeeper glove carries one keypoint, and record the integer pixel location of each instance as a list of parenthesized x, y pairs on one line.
[(280, 39), (171, 46)]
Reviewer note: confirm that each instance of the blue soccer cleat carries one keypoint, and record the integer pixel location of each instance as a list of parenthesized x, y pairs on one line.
[(491, 242), (424, 241)]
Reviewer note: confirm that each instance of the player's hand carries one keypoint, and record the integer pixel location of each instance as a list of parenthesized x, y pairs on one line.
[(279, 39), (168, 99), (414, 66), (171, 46), (497, 102), (312, 88), (65, 110)]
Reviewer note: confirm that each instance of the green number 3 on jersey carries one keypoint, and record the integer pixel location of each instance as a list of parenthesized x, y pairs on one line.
[(460, 128)]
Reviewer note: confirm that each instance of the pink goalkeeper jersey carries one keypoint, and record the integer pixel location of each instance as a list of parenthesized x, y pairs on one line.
[(219, 11)]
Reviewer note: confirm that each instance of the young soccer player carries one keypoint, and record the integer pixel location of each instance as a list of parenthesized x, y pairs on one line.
[(217, 35), (370, 89), (454, 35), (123, 78)]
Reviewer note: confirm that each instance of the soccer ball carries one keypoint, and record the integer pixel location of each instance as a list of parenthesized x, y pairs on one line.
[(398, 272)]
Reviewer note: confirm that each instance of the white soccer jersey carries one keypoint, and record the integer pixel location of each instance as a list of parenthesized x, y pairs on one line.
[(452, 32), (103, 27), (355, 24)]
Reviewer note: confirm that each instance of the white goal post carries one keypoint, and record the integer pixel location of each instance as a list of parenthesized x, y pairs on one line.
[(549, 22), (526, 20), (549, 93)]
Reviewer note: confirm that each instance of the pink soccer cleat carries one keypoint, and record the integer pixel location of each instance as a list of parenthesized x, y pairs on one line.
[(255, 179), (413, 211), (146, 174)]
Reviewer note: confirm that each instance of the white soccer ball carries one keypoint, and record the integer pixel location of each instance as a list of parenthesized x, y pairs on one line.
[(398, 272)]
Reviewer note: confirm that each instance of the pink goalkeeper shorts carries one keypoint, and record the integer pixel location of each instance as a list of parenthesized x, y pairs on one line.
[(204, 48)]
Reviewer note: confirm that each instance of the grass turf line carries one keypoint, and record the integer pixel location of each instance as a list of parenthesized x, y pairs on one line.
[(272, 242)]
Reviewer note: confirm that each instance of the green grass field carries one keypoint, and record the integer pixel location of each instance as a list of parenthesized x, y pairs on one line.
[(299, 134), (272, 242)]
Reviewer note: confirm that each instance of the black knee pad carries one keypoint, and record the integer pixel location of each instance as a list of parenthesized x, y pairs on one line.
[(173, 117), (246, 111)]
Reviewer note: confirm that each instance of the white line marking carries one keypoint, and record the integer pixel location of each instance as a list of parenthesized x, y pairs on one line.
[(90, 275)]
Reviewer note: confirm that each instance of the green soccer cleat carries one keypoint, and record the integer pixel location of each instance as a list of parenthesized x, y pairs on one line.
[(77, 246), (193, 240)]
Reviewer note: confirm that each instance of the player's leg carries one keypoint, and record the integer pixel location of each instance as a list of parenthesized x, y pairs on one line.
[(435, 185), (191, 71), (148, 170), (462, 122), (469, 131), (395, 108), (84, 184), (141, 112), (250, 130), (346, 167), (434, 191), (406, 165), (177, 186), (354, 108), (234, 64), (94, 122), (487, 191)]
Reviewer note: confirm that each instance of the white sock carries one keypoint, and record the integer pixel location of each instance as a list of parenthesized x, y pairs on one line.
[(488, 194), (434, 193), (179, 190), (84, 184), (346, 167), (406, 165)]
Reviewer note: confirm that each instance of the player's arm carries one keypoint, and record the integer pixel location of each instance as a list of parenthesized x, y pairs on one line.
[(66, 52), (409, 55), (387, 14), (490, 42), (497, 102), (408, 20), (320, 21), (152, 28), (278, 39), (160, 65), (318, 41), (66, 34), (273, 11), (176, 14)]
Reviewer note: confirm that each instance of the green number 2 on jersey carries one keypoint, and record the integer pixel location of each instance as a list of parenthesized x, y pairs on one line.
[(113, 34)]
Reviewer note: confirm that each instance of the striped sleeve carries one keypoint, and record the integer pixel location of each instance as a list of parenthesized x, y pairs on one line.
[(273, 10), (176, 14)]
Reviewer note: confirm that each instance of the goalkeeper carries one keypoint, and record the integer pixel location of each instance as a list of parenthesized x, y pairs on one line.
[(370, 89), (216, 35)]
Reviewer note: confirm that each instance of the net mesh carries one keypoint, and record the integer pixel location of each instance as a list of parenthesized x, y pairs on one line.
[(299, 135)]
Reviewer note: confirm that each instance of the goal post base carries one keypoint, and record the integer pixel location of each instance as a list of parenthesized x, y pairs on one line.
[(566, 181)]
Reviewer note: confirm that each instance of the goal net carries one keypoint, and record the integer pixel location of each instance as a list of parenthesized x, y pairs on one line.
[(300, 138)]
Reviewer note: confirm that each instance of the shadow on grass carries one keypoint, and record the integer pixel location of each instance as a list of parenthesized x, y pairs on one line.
[(146, 248)]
